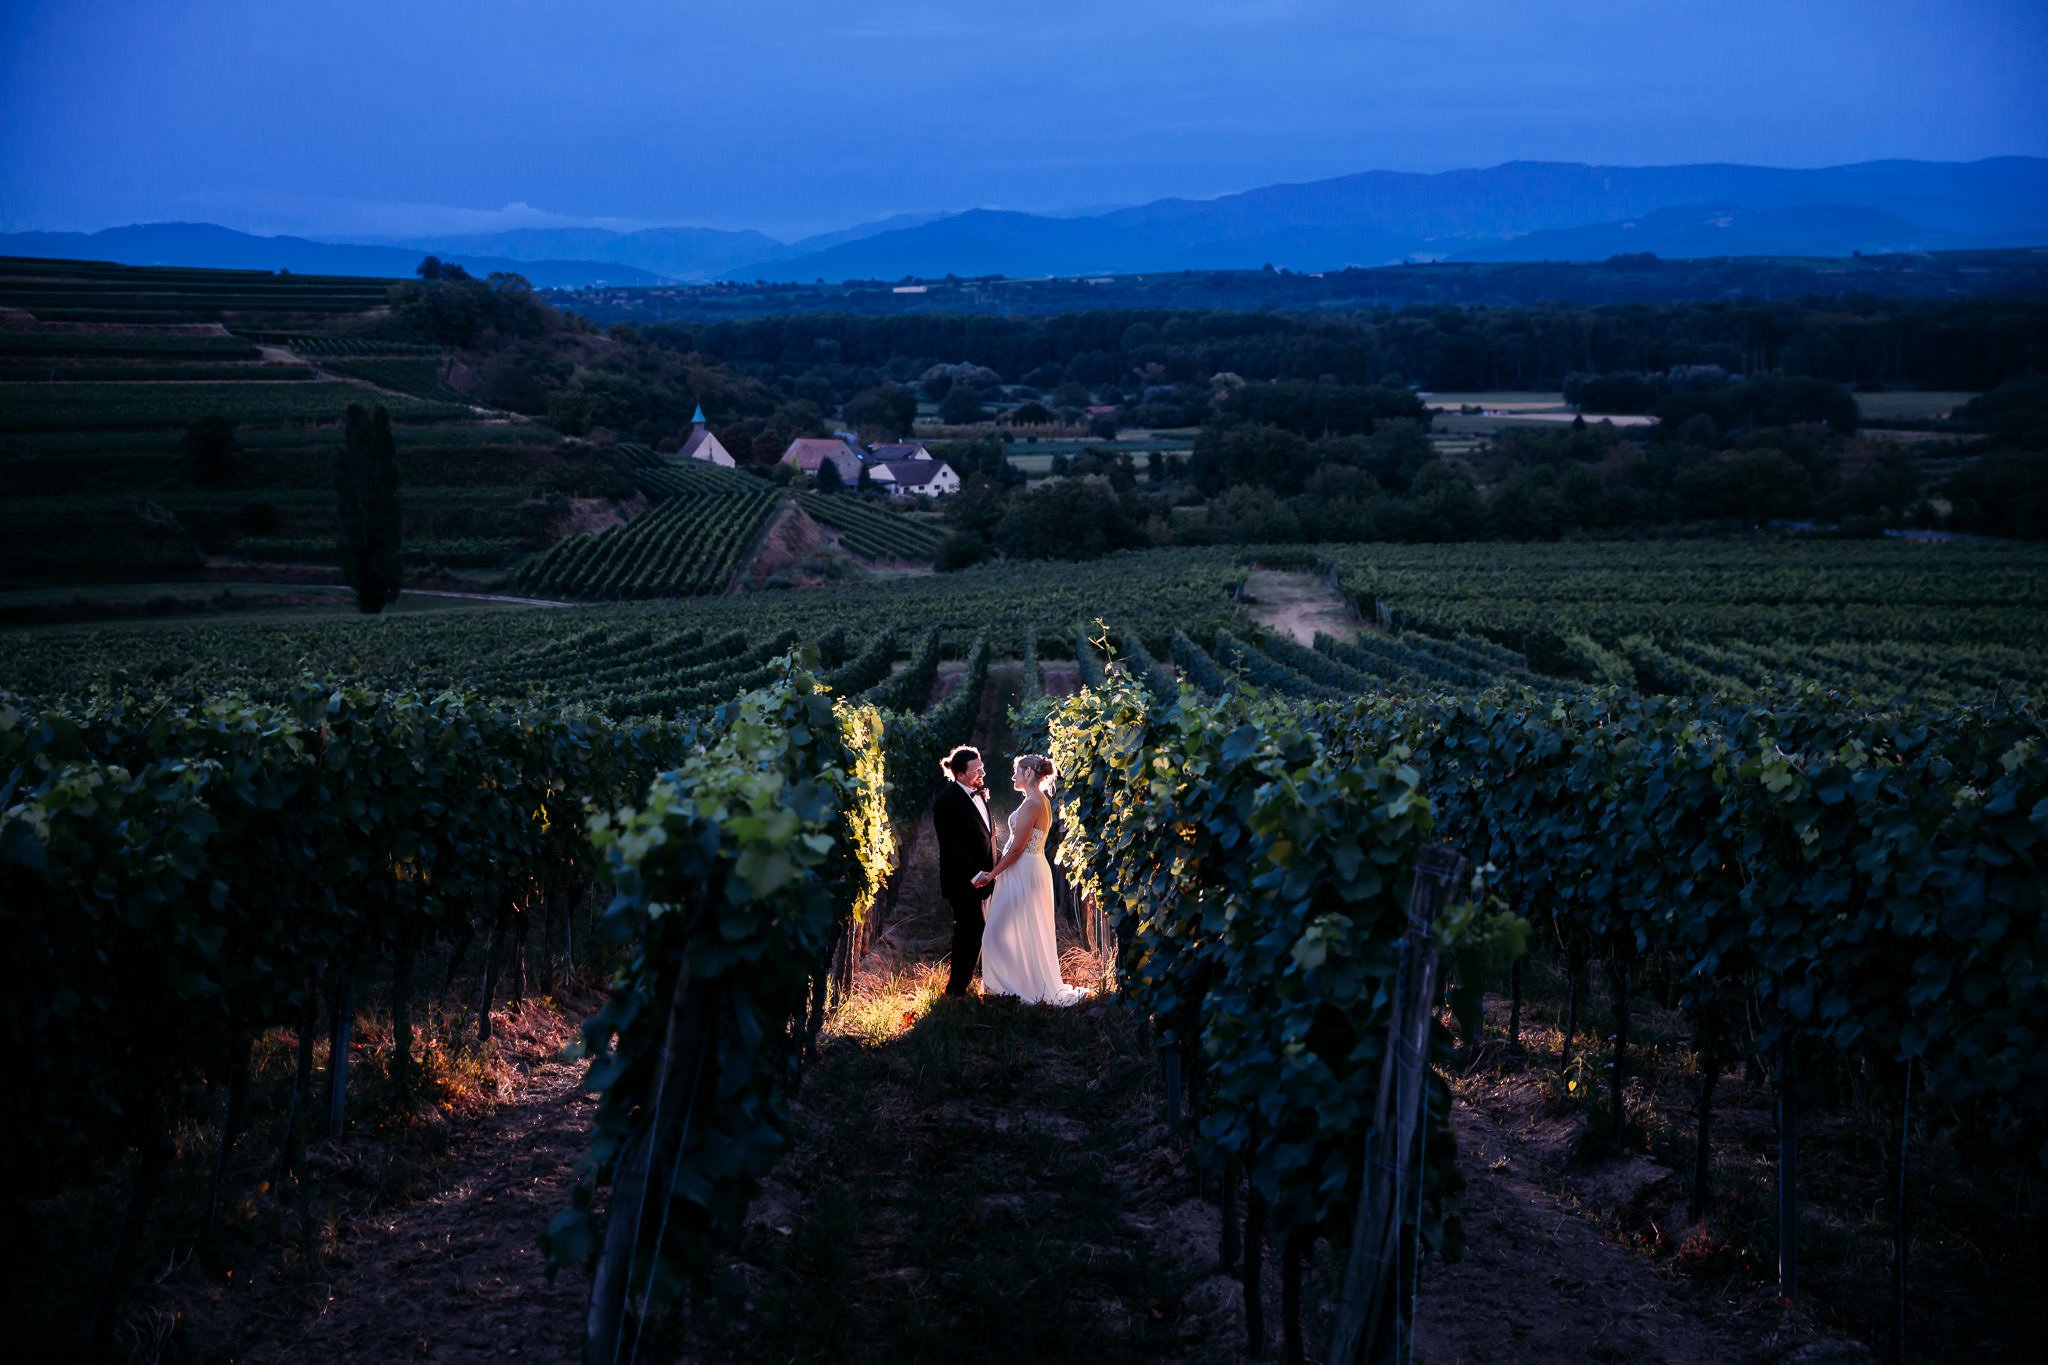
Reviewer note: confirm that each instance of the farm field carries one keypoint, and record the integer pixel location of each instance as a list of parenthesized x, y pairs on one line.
[(1877, 408), (1509, 405)]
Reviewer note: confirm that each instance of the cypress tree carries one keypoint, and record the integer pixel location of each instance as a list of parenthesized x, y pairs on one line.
[(366, 487)]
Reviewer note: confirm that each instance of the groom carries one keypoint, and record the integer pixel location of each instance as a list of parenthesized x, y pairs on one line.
[(967, 846)]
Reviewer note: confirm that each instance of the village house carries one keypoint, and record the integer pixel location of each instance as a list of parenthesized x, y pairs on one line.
[(808, 452), (915, 478), (890, 452), (702, 445)]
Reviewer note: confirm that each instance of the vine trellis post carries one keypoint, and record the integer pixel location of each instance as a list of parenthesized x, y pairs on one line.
[(1375, 1303)]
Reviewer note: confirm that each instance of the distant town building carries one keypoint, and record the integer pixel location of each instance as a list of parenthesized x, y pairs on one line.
[(914, 478), (808, 452), (891, 451), (702, 445)]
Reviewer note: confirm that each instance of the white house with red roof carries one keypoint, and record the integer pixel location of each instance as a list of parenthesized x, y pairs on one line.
[(808, 452), (926, 478)]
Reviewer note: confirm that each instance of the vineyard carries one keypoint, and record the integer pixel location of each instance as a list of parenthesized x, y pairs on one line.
[(1753, 836), (92, 291), (1828, 863), (74, 407), (96, 405), (869, 531), (689, 545)]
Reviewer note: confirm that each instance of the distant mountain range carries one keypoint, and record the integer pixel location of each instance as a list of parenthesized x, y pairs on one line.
[(219, 248), (1518, 211)]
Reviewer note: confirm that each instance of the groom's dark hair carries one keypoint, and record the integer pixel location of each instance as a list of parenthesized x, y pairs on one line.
[(962, 758)]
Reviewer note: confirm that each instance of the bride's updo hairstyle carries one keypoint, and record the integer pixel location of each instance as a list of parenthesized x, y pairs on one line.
[(1036, 769)]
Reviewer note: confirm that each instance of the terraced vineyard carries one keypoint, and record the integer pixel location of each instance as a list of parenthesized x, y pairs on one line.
[(93, 291), (689, 545), (98, 485), (869, 531), (78, 407), (865, 529)]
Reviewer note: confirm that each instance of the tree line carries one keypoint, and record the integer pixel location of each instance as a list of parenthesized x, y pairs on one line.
[(1857, 340)]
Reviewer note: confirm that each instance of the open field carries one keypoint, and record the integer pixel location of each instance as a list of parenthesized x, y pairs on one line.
[(1878, 408)]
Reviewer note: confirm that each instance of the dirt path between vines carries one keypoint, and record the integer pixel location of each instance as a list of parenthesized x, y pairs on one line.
[(1298, 605), (995, 1180), (457, 1276)]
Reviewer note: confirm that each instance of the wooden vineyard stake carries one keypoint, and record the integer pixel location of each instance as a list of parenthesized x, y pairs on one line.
[(1895, 1352), (1571, 1015), (301, 1103), (1169, 1072), (337, 1054), (149, 1178), (1617, 977), (1788, 1181), (1254, 1299), (1373, 1311), (643, 1180), (401, 1014), (1515, 1004), (1227, 1246), (1291, 1255), (490, 986), (230, 1125), (1703, 1155)]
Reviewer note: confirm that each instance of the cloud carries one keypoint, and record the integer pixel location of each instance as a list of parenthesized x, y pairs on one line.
[(377, 219)]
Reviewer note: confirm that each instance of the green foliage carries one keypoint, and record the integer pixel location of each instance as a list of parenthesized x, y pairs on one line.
[(885, 410), (872, 530), (962, 406), (365, 473), (732, 882), (1309, 408), (1765, 401), (689, 544), (178, 866), (1258, 886), (1069, 518), (1859, 880)]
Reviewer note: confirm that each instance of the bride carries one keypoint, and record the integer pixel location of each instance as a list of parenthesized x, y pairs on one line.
[(1018, 953)]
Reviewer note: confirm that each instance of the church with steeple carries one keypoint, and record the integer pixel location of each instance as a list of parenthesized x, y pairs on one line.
[(702, 445)]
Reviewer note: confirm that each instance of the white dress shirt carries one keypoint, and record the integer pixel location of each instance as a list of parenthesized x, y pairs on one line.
[(980, 800)]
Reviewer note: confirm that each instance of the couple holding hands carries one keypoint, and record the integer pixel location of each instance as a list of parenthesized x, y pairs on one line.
[(1002, 904)]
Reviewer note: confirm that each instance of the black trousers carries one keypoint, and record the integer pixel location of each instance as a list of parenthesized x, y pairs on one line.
[(967, 922)]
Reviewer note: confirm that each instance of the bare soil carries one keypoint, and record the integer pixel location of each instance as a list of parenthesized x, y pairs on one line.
[(596, 514), (789, 538), (1298, 605)]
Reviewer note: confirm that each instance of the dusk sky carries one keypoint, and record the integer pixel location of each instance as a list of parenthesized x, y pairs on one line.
[(385, 118)]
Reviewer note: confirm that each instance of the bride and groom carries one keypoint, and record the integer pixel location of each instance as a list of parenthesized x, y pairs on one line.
[(1014, 935)]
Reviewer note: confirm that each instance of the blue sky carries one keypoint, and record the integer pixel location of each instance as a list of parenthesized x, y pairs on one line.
[(793, 116)]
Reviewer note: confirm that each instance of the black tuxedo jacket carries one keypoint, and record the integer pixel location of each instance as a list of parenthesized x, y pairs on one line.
[(966, 845)]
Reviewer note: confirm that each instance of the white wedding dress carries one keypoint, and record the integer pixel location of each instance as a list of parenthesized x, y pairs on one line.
[(1019, 953)]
